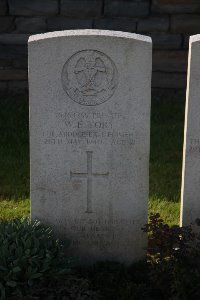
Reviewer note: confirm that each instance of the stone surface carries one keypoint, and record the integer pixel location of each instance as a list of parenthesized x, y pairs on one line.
[(153, 24), (6, 24), (169, 80), (89, 139), (30, 25), (80, 8), (33, 7), (62, 23), (122, 24), (190, 205), (170, 61), (3, 7), (163, 40), (127, 8), (185, 23), (175, 6)]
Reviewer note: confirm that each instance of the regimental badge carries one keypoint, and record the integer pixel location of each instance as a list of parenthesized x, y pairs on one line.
[(89, 77)]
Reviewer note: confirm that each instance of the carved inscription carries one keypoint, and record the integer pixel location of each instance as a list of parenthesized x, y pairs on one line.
[(96, 232), (89, 77), (95, 128), (89, 176)]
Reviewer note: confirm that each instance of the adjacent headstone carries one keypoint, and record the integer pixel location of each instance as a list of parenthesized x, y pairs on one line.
[(89, 139), (190, 198)]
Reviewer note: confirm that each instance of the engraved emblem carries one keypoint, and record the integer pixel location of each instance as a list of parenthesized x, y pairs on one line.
[(89, 77)]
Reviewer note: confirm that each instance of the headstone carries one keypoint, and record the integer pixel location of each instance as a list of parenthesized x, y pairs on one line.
[(89, 139), (190, 198)]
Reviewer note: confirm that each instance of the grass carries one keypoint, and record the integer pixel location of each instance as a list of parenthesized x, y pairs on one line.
[(167, 122), (14, 158), (10, 209), (165, 159)]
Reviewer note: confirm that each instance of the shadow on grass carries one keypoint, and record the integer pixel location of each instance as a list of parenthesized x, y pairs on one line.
[(167, 124), (14, 148)]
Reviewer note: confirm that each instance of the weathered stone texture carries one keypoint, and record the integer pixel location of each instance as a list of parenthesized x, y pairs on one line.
[(153, 24), (81, 8), (170, 61), (185, 23), (175, 6), (33, 7), (190, 204), (95, 175), (62, 23), (3, 7), (127, 8), (31, 25), (166, 40), (122, 24), (169, 80), (6, 24)]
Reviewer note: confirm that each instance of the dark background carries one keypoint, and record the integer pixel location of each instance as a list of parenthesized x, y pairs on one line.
[(168, 22)]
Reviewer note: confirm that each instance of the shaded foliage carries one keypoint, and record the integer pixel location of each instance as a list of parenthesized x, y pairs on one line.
[(35, 265), (174, 259)]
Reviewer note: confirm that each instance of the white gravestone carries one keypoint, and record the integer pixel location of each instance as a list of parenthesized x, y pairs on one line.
[(190, 198), (89, 139)]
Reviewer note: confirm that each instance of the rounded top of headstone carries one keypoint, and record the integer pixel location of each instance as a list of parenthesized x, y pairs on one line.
[(195, 38), (89, 32)]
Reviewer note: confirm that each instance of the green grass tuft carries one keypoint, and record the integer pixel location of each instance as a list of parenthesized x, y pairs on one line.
[(11, 209), (169, 211)]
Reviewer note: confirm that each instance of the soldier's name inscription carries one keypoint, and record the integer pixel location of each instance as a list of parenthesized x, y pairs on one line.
[(89, 128)]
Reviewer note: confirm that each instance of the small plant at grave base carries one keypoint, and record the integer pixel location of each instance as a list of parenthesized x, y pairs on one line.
[(34, 265), (30, 256), (174, 258)]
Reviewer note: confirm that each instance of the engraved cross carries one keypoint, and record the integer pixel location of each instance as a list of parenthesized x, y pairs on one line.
[(89, 176)]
